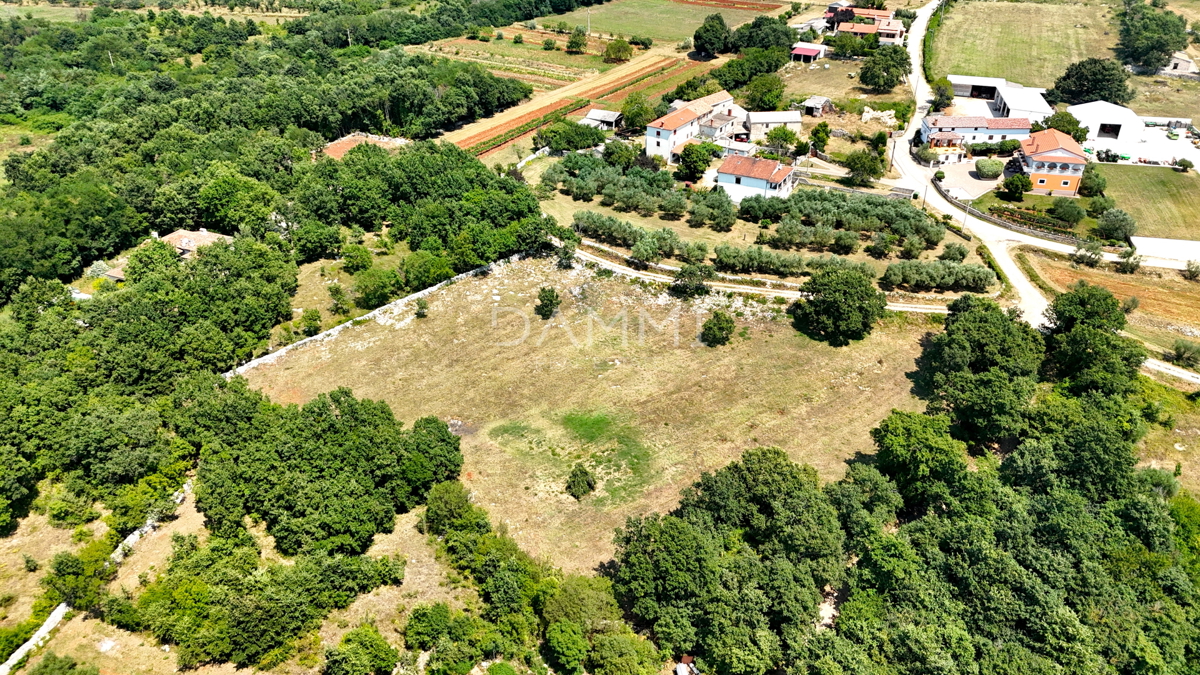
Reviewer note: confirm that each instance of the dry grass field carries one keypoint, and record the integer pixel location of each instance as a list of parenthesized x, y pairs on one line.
[(663, 20), (637, 399), (1029, 43), (831, 77)]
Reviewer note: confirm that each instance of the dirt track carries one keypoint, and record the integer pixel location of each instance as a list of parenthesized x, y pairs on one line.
[(588, 87)]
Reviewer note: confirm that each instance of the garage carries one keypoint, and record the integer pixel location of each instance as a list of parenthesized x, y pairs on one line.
[(1110, 121)]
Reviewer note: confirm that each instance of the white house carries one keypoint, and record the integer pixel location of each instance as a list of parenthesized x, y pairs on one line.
[(760, 123), (743, 177), (713, 117), (891, 32), (1108, 120), (818, 26), (950, 135), (670, 130)]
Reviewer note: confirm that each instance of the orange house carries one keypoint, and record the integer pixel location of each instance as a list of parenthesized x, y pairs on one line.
[(1054, 162)]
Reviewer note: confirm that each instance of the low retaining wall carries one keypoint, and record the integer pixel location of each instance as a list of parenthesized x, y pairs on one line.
[(1033, 232)]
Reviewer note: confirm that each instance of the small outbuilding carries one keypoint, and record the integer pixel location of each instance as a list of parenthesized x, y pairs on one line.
[(1180, 64), (807, 52), (602, 119), (761, 123), (1108, 120), (817, 106)]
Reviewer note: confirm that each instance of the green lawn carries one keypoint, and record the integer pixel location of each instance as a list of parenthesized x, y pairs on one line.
[(663, 20), (1022, 42), (1164, 202), (1042, 202)]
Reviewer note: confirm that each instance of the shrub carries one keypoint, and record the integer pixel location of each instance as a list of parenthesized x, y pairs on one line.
[(1192, 271), (1184, 164), (518, 39), (1017, 185), (363, 651), (989, 168), (1186, 353), (581, 482), (1092, 183), (939, 175), (1088, 254), (717, 329), (1067, 210), (310, 322), (501, 668), (1116, 224), (1099, 205), (426, 625), (954, 253), (1130, 262), (422, 308), (549, 44), (375, 287), (845, 242), (548, 302), (356, 258), (912, 248)]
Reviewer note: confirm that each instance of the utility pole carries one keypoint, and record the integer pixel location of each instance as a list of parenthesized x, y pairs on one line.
[(589, 30)]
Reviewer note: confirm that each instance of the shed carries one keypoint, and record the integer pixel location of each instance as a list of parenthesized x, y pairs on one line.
[(1108, 120), (970, 86), (817, 106), (602, 119), (1180, 64), (808, 52)]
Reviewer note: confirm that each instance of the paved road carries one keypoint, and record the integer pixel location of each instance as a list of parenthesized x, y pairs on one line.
[(998, 239)]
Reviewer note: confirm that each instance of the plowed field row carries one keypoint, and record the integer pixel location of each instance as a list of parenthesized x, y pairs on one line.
[(692, 69), (499, 129), (610, 88)]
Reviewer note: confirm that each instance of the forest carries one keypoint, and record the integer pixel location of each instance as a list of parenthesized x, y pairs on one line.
[(152, 144)]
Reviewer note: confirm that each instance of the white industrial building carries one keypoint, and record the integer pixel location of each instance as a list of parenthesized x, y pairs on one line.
[(1006, 99), (1109, 120)]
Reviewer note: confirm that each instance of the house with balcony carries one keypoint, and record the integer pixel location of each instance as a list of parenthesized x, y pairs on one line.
[(1053, 161), (743, 177), (857, 29)]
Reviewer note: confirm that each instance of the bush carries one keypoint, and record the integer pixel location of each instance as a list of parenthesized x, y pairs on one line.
[(548, 302), (1192, 271), (53, 664), (1098, 205), (1092, 183), (549, 44), (954, 253), (1184, 165), (846, 243), (356, 258), (939, 275), (1088, 254), (363, 651), (843, 305), (518, 39), (422, 308), (717, 330), (1116, 224), (566, 646), (310, 322), (1186, 353), (426, 625), (581, 482), (1067, 210), (939, 175), (989, 168), (501, 668), (1017, 185)]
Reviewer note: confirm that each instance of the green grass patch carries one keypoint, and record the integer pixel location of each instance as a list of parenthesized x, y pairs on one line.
[(1039, 202), (511, 430), (1029, 43), (588, 427), (1032, 273), (1163, 201), (663, 20)]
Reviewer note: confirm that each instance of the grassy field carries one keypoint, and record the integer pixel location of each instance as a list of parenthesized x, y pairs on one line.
[(831, 78), (1029, 43), (10, 139), (1190, 9), (638, 400), (533, 52), (1165, 96), (1164, 202), (662, 20)]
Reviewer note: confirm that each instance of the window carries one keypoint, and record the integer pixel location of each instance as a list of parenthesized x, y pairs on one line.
[(1066, 183), (1003, 137), (991, 136), (1041, 181), (658, 144), (738, 180)]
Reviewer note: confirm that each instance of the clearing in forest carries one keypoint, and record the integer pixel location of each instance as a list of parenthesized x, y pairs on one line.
[(615, 381)]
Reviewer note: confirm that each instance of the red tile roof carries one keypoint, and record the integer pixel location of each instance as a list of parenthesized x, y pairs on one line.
[(1009, 123), (781, 174), (1053, 140), (805, 51), (748, 167), (876, 14), (863, 28), (956, 122), (674, 120)]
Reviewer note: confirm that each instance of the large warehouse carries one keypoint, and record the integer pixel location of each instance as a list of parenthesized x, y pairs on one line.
[(1108, 120)]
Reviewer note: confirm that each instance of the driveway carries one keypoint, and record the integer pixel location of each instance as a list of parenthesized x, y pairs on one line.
[(962, 177)]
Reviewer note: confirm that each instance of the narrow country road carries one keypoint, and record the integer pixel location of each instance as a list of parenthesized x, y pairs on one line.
[(998, 240), (627, 271)]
